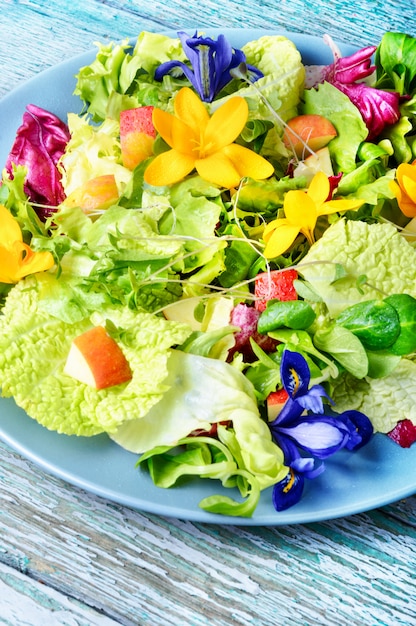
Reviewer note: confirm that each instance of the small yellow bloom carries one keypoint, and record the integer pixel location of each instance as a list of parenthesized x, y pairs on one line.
[(405, 188), (302, 209), (204, 143), (17, 259)]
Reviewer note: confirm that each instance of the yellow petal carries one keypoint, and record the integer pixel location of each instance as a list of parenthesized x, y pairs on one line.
[(174, 131), (407, 207), (9, 228), (319, 188), (405, 170), (218, 169), (300, 209), (190, 109), (33, 262), (225, 125), (8, 266), (168, 168), (281, 239), (339, 206), (248, 163), (409, 185)]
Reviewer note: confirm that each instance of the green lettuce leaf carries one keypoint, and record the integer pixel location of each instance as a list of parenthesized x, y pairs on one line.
[(376, 251), (281, 63), (34, 347), (330, 102), (385, 401), (93, 150), (121, 76), (396, 63), (202, 392)]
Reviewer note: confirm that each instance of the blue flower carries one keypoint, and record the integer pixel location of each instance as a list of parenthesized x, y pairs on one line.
[(211, 61), (305, 432)]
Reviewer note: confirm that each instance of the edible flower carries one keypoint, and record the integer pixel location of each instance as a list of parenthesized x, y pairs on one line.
[(305, 433), (17, 259), (204, 143), (302, 209), (378, 108), (211, 61), (405, 188)]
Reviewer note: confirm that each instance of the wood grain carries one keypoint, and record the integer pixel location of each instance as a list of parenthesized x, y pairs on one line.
[(68, 557), (139, 568)]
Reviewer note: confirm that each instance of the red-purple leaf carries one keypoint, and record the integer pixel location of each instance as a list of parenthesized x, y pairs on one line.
[(40, 142)]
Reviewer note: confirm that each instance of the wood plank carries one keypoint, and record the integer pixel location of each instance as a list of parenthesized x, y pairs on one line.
[(27, 602), (35, 35), (69, 555), (123, 562)]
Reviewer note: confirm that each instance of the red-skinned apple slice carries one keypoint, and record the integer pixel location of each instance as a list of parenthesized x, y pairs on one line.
[(275, 402), (97, 193), (316, 131), (97, 360), (137, 135)]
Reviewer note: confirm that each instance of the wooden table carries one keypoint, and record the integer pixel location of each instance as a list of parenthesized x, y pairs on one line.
[(69, 557)]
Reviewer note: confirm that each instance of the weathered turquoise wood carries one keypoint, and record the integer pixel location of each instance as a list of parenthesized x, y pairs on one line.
[(139, 568), (68, 557)]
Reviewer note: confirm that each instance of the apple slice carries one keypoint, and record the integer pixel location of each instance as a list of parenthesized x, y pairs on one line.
[(316, 131), (275, 402), (97, 360), (97, 193), (137, 135), (319, 161)]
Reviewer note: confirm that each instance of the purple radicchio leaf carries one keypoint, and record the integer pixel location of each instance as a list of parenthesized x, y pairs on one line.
[(378, 108), (40, 142)]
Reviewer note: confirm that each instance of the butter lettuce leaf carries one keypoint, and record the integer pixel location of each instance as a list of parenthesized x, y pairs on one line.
[(34, 346), (330, 102), (201, 392)]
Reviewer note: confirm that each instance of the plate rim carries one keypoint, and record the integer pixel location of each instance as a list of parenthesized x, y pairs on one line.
[(291, 516)]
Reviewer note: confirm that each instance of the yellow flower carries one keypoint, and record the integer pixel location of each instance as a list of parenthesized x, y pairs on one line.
[(204, 143), (302, 210), (17, 259), (405, 188)]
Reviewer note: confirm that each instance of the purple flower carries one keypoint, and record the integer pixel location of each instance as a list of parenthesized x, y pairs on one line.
[(378, 108), (305, 437), (211, 64)]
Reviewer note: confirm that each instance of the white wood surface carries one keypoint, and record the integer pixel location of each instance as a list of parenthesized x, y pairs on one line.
[(68, 557)]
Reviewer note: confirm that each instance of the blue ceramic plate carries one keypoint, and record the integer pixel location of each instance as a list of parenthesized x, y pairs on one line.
[(379, 474)]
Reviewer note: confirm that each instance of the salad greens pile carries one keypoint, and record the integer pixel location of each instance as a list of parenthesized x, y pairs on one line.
[(247, 366)]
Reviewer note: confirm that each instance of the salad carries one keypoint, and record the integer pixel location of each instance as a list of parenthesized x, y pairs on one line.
[(214, 263)]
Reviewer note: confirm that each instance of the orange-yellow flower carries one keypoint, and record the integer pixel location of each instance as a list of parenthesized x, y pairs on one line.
[(17, 259), (302, 209), (405, 188), (204, 143)]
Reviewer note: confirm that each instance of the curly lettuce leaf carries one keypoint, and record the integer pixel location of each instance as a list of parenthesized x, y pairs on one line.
[(34, 347), (385, 400), (374, 251), (93, 150), (121, 76), (284, 73)]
